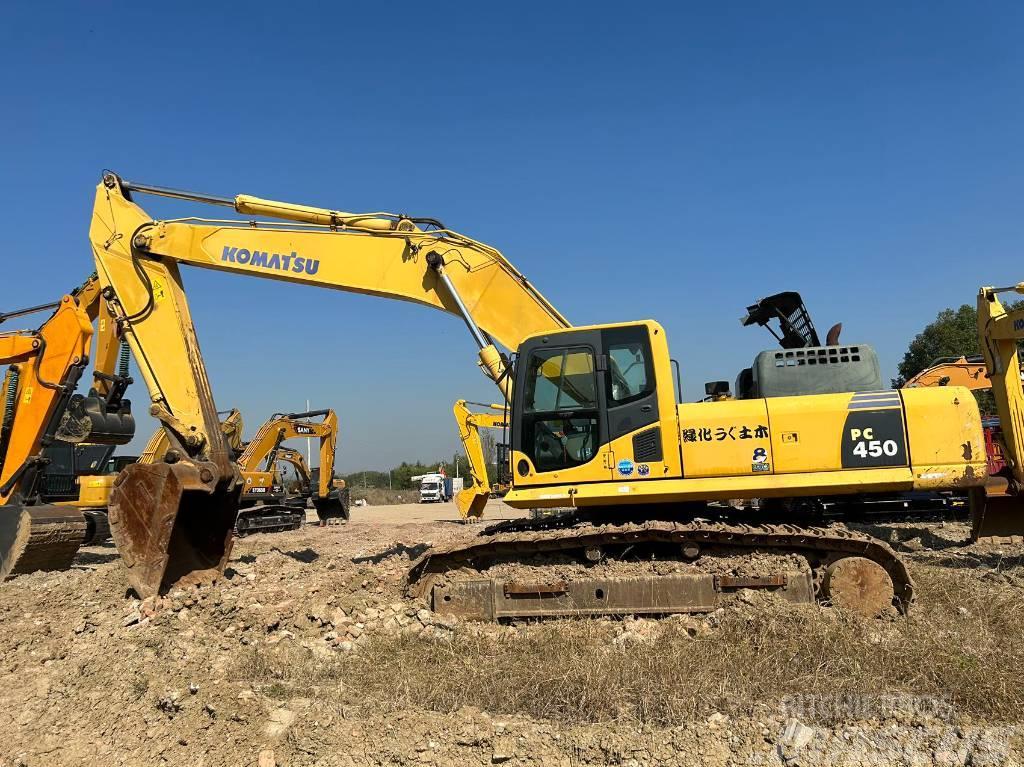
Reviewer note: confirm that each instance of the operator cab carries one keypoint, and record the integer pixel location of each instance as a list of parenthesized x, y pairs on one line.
[(587, 400)]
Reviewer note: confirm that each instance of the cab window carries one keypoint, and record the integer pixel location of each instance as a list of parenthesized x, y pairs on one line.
[(561, 379), (629, 367), (560, 423)]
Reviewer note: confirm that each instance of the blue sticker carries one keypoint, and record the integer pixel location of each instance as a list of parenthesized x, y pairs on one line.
[(643, 469), (625, 467)]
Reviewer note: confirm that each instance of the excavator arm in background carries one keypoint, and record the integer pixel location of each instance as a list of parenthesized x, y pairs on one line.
[(259, 459), (969, 372), (472, 500), (337, 505), (40, 407), (998, 511)]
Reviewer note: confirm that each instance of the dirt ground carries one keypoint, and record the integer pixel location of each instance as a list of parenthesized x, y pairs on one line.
[(309, 652)]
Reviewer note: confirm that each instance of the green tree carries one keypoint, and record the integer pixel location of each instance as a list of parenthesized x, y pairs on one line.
[(953, 333)]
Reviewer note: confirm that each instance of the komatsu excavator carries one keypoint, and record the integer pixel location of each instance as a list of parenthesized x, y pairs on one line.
[(40, 408), (264, 502), (594, 424)]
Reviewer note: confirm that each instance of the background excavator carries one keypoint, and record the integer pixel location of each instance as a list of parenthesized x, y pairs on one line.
[(471, 500), (265, 506), (42, 525), (594, 424), (313, 483), (265, 502)]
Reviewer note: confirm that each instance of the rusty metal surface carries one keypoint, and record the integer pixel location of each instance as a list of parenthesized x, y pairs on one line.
[(750, 581), (493, 599), (518, 539), (55, 535), (511, 588), (172, 523), (858, 584), (15, 527), (997, 515)]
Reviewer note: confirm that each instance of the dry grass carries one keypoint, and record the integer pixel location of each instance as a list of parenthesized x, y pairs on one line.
[(572, 672), (377, 496)]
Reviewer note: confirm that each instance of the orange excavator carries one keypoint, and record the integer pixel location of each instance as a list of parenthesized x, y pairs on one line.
[(40, 408)]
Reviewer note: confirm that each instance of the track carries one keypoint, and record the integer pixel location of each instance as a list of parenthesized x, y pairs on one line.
[(842, 566)]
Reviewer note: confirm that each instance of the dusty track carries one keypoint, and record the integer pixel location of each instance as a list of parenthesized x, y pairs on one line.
[(309, 649)]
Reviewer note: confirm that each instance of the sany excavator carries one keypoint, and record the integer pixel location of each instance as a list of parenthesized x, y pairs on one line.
[(264, 502), (594, 425), (264, 505), (40, 408), (315, 484)]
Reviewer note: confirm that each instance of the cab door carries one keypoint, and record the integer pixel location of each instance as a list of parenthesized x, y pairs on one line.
[(636, 448), (560, 429)]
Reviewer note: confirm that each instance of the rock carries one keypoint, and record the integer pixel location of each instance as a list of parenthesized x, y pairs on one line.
[(246, 695), (280, 720), (193, 688), (794, 738), (267, 759), (914, 544), (131, 618)]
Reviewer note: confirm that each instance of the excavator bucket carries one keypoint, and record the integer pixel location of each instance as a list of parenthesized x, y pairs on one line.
[(14, 533), (42, 537), (334, 506), (471, 502), (173, 524), (996, 514)]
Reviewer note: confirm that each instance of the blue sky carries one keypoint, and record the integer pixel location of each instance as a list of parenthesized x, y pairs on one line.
[(674, 161)]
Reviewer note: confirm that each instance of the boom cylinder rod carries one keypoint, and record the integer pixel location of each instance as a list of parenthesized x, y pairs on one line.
[(490, 359), (308, 414), (437, 263), (4, 316), (178, 194)]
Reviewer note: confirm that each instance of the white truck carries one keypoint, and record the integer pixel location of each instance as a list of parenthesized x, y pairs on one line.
[(432, 488), (435, 488)]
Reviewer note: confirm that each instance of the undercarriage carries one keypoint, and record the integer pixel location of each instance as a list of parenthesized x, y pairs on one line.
[(615, 564)]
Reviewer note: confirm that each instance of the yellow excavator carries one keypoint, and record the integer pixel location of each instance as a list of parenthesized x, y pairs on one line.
[(595, 425), (315, 484), (42, 411), (265, 505), (471, 500), (969, 372)]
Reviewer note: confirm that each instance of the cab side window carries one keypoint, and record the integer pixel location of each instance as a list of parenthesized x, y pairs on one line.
[(630, 372)]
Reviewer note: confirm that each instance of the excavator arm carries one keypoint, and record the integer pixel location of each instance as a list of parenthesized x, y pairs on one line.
[(381, 254), (471, 500), (953, 371), (997, 510), (40, 406), (259, 459)]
